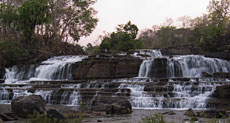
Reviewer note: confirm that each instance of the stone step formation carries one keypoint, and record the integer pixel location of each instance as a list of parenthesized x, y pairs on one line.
[(153, 82), (142, 95)]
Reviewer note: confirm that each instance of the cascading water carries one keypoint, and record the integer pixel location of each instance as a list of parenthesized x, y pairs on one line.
[(146, 91), (190, 66), (184, 94), (55, 68)]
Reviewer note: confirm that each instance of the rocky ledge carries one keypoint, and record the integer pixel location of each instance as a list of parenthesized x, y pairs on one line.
[(106, 67)]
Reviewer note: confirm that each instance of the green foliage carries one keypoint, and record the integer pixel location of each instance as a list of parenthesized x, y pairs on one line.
[(32, 13), (193, 119), (157, 118), (121, 40), (8, 15), (13, 52)]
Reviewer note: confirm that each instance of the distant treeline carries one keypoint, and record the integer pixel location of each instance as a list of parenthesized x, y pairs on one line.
[(210, 32)]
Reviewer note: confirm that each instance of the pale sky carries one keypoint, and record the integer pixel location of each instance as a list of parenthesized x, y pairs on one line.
[(143, 13)]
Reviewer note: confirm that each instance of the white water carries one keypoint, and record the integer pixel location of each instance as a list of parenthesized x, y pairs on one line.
[(191, 66), (55, 68), (182, 97), (147, 52)]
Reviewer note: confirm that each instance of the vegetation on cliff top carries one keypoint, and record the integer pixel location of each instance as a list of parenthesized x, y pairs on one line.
[(210, 32), (43, 28)]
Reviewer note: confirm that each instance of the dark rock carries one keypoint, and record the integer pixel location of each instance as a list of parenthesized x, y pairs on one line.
[(54, 114), (212, 114), (99, 120), (111, 106), (221, 75), (222, 92), (26, 105), (5, 117), (220, 55), (106, 68), (190, 112), (159, 68), (121, 107), (12, 115), (205, 74), (2, 72), (170, 113)]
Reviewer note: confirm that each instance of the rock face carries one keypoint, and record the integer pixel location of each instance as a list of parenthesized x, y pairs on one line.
[(25, 105), (222, 97), (106, 68), (221, 75), (222, 92), (112, 106), (159, 68), (2, 72)]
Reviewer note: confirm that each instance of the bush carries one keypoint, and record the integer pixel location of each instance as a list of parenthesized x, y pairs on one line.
[(13, 53)]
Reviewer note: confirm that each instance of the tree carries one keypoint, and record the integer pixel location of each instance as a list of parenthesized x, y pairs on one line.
[(62, 20), (72, 19), (31, 14), (213, 29), (124, 39)]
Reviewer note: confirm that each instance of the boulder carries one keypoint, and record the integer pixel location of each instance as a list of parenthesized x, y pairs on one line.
[(26, 105), (190, 113), (111, 106), (106, 68)]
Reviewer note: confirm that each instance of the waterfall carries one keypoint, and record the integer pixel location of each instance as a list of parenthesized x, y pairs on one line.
[(183, 96), (195, 65), (191, 66), (55, 68), (145, 67)]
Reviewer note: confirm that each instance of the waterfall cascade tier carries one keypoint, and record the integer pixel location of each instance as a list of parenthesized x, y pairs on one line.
[(181, 66), (151, 94), (55, 68), (175, 82)]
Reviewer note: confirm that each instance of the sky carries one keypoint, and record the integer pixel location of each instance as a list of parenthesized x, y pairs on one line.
[(143, 13)]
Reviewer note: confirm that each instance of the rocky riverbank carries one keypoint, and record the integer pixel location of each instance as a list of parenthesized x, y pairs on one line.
[(176, 116)]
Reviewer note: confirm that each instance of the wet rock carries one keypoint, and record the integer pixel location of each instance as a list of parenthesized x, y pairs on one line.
[(54, 114), (106, 68), (212, 114), (222, 92), (190, 112), (205, 74), (2, 72), (26, 105), (159, 68), (221, 75), (5, 117)]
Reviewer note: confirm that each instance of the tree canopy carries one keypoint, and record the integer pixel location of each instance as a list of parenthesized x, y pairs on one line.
[(124, 39)]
